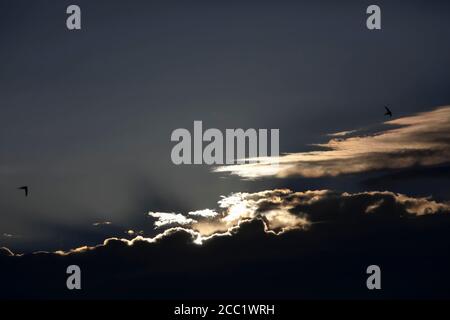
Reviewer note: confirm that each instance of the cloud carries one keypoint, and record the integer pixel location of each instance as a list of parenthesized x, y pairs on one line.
[(270, 244), (206, 213), (5, 252), (102, 223), (342, 133), (419, 140), (170, 218), (282, 210), (10, 236), (326, 260), (132, 232), (233, 210)]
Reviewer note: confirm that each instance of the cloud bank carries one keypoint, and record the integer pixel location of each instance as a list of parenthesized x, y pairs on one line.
[(277, 244), (419, 140), (280, 211)]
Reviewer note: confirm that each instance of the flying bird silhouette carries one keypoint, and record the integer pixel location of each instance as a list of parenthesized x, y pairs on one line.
[(388, 112), (24, 188)]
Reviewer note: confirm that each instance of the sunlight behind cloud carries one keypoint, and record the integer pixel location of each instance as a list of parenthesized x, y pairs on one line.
[(422, 139)]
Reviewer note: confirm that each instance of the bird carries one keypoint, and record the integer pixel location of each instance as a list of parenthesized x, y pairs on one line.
[(24, 188), (388, 112)]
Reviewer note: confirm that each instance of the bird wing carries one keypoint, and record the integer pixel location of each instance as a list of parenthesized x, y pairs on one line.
[(24, 188)]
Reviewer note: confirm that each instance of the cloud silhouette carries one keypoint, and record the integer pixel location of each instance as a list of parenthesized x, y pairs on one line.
[(419, 140), (326, 261), (269, 244), (280, 211)]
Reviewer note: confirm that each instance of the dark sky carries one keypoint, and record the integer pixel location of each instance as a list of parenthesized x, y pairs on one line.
[(86, 116)]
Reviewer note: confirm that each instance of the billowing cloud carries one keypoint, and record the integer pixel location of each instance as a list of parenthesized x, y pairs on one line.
[(256, 256), (282, 210), (170, 218), (422, 139), (232, 211)]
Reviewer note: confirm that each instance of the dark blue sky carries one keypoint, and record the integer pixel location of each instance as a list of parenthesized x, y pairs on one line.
[(86, 116)]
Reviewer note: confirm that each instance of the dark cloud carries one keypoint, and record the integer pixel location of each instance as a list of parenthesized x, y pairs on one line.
[(283, 210), (5, 252), (408, 237)]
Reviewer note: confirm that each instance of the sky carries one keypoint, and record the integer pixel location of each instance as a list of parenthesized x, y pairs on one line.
[(86, 118)]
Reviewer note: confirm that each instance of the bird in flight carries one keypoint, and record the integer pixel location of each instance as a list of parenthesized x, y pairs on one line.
[(24, 188), (388, 112)]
